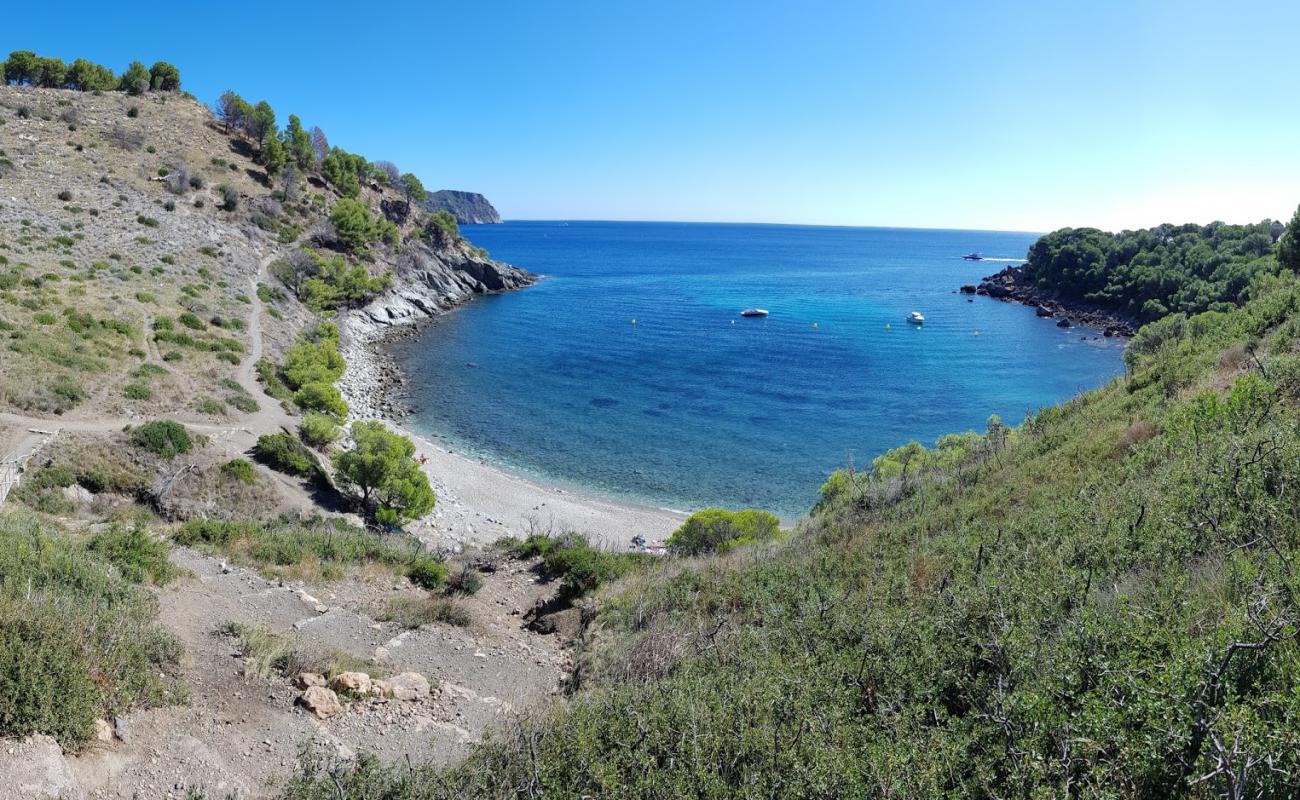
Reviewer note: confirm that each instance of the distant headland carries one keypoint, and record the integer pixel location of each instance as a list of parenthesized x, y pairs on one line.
[(469, 208)]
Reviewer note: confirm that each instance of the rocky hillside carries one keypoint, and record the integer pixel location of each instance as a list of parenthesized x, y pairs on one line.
[(188, 591), (135, 232), (469, 208)]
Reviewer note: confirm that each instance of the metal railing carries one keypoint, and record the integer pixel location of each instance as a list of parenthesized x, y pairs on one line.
[(8, 477)]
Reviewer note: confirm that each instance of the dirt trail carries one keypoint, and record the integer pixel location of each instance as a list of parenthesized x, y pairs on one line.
[(269, 418), (238, 732)]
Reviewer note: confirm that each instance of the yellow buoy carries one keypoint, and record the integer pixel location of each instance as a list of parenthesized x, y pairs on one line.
[(733, 322), (814, 324), (886, 326), (633, 322)]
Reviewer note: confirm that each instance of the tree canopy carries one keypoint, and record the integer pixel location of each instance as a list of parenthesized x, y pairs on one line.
[(1148, 273), (716, 529), (26, 67), (381, 469)]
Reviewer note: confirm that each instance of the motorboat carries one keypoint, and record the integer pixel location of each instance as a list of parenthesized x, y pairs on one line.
[(973, 257), (915, 318), (754, 312)]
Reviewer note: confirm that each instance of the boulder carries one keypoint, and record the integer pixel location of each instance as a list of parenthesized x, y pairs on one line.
[(321, 702), (1064, 322), (78, 494), (35, 768), (306, 680), (1043, 311), (409, 686), (103, 731), (357, 683), (968, 288), (995, 290)]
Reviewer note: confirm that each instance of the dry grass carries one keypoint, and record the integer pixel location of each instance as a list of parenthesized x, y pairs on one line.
[(414, 612)]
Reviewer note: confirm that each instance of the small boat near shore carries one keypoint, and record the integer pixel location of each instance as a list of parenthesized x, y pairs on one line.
[(972, 257), (754, 312), (915, 318)]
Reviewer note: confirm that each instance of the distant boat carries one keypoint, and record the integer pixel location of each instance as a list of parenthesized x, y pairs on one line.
[(973, 257), (754, 312), (915, 318)]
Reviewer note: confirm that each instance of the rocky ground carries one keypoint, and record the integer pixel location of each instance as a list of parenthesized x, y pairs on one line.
[(1010, 285), (241, 733)]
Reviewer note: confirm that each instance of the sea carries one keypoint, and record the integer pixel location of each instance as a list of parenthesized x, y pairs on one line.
[(629, 372)]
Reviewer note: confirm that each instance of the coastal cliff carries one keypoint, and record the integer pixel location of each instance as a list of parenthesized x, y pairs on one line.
[(428, 281), (469, 208)]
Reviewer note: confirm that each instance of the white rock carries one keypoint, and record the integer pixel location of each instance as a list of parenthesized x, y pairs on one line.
[(409, 686)]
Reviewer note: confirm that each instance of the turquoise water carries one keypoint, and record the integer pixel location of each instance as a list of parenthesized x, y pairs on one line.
[(694, 405)]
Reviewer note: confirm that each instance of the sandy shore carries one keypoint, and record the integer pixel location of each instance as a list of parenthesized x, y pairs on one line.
[(479, 503)]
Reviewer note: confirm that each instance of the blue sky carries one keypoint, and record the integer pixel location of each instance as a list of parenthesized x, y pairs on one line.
[(1010, 115)]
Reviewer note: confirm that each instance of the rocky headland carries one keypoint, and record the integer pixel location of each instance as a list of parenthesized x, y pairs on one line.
[(469, 208), (1012, 285)]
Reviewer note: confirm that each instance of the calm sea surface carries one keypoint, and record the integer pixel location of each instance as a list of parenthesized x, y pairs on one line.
[(695, 406)]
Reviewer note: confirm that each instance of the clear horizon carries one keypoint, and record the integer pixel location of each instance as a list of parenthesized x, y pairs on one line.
[(1006, 116)]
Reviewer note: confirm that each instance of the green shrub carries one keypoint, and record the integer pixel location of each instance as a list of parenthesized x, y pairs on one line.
[(148, 222), (137, 391), (77, 641), (580, 567), (137, 555), (68, 391), (465, 580), (319, 430), (239, 469), (427, 572), (191, 321), (717, 529), (209, 405), (284, 453), (229, 197), (322, 397), (163, 437)]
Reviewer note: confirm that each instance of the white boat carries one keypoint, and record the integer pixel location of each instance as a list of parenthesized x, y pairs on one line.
[(754, 312), (915, 318)]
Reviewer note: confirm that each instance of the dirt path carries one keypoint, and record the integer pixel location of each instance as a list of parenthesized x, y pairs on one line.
[(238, 731)]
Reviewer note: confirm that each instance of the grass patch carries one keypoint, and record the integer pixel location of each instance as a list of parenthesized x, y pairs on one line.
[(413, 612), (294, 545), (266, 653), (139, 556)]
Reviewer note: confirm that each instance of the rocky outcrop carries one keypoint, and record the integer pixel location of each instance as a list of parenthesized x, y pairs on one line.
[(1011, 284), (469, 208), (427, 282)]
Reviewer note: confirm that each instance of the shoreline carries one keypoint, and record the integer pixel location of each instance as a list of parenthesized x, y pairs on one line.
[(479, 502), (1009, 285)]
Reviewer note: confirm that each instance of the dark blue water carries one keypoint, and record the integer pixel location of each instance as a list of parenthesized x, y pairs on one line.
[(696, 406)]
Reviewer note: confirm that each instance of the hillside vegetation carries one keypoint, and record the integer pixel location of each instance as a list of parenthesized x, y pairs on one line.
[(1100, 602), (1147, 273)]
